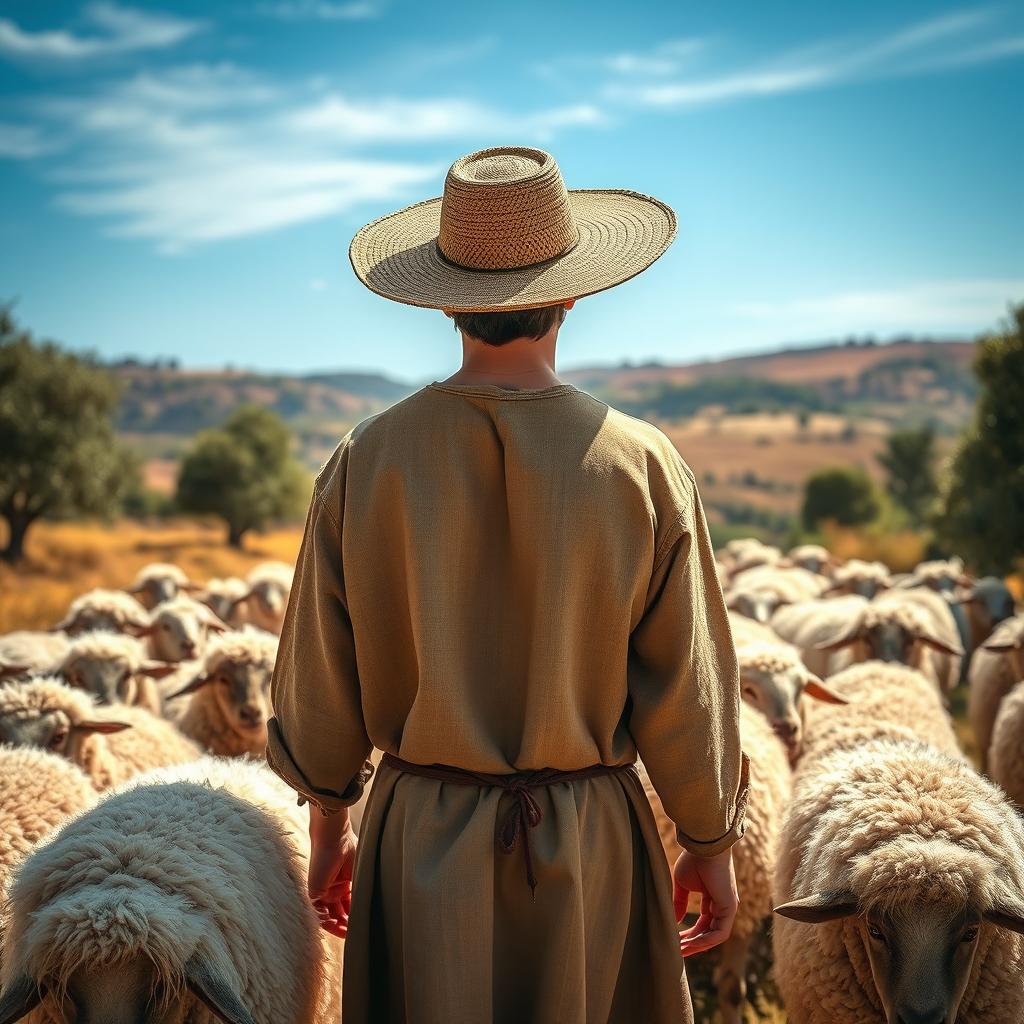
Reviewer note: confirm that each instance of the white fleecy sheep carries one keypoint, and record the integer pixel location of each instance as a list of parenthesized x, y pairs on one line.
[(997, 666), (266, 600), (38, 791), (110, 610), (901, 884), (753, 856), (159, 582), (810, 623), (941, 575), (1006, 751), (115, 669), (228, 691), (109, 744), (856, 576), (978, 609), (178, 899), (814, 558), (31, 652), (221, 596), (758, 592), (177, 630)]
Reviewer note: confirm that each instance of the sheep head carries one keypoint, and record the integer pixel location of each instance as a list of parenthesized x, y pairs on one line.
[(756, 604), (892, 634), (920, 910), (112, 668), (177, 630)]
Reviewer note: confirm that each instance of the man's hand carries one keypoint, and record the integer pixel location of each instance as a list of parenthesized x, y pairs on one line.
[(332, 856), (715, 880)]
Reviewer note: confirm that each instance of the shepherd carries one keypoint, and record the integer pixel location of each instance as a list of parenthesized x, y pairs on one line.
[(507, 587)]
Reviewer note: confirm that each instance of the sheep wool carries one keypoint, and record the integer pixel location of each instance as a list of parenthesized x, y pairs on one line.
[(1006, 754), (992, 675), (37, 792), (194, 866), (898, 825), (30, 652), (127, 653), (112, 610)]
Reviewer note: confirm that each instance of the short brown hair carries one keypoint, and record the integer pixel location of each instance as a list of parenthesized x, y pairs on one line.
[(501, 328)]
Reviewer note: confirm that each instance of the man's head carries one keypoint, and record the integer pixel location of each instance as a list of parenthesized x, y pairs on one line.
[(498, 329)]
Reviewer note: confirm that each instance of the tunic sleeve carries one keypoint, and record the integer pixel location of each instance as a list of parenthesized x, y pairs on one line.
[(684, 688), (317, 740)]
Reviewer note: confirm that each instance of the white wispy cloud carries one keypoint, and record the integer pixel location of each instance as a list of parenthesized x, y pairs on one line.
[(191, 155), (951, 40), (321, 10), (115, 29), (956, 305), (23, 141), (667, 58)]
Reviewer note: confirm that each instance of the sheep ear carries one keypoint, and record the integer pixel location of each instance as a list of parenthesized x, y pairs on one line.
[(215, 993), (9, 671), (1001, 646), (137, 589), (936, 644), (19, 999), (93, 725), (138, 629), (197, 683), (850, 635), (821, 691), (159, 669), (819, 908), (1007, 915)]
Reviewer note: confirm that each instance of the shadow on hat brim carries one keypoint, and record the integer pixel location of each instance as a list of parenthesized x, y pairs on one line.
[(621, 234)]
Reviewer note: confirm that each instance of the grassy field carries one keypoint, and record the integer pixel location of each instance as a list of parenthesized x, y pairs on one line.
[(65, 559)]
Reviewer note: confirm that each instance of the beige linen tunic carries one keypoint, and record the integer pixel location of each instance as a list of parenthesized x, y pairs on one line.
[(507, 581)]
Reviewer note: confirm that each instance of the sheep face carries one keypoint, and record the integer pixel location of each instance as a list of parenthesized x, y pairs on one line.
[(266, 600), (111, 680), (92, 620), (754, 604), (896, 638), (155, 590), (920, 953), (54, 731), (241, 689), (179, 632)]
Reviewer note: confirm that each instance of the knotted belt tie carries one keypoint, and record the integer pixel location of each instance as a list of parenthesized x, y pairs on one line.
[(525, 812)]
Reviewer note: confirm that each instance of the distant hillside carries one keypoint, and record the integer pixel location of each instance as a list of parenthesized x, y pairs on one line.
[(163, 406)]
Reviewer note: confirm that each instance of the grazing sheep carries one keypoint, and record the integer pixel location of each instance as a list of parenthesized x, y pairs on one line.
[(37, 792), (763, 589), (228, 691), (178, 899), (109, 744), (882, 701), (752, 557), (111, 610), (814, 558), (810, 623), (866, 579), (978, 609), (159, 582), (910, 867), (775, 681), (221, 596), (753, 856), (1006, 752), (996, 668), (178, 629), (266, 600), (912, 627), (28, 652), (747, 631), (941, 575), (114, 668)]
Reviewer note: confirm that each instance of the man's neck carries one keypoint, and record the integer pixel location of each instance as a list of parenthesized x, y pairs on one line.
[(525, 363)]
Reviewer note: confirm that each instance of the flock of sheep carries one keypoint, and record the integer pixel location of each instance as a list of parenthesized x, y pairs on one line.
[(131, 737)]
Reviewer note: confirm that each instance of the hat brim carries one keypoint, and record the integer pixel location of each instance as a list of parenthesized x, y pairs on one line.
[(621, 234)]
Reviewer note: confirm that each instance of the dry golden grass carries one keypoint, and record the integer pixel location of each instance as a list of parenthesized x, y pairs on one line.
[(66, 559)]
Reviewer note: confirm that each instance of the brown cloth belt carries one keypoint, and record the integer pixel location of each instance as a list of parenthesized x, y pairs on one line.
[(525, 813)]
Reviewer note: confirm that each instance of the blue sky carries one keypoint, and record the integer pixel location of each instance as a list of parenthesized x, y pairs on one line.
[(184, 178)]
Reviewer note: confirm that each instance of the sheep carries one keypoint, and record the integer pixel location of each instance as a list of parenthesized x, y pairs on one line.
[(159, 582), (109, 744), (38, 791), (753, 856), (910, 866), (266, 600), (181, 898), (775, 681), (938, 575), (28, 652), (177, 630), (810, 623), (228, 691), (882, 700), (752, 557), (747, 631), (814, 558), (221, 596), (978, 609), (902, 627), (761, 590), (111, 610), (114, 668), (1006, 765), (996, 667), (867, 579)]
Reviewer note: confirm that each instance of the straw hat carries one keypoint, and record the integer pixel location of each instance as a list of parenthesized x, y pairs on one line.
[(507, 234)]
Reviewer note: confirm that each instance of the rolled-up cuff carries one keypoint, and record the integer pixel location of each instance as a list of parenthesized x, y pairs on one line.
[(713, 847), (329, 801)]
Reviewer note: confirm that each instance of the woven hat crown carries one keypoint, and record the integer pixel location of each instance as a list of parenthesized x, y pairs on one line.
[(504, 209)]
